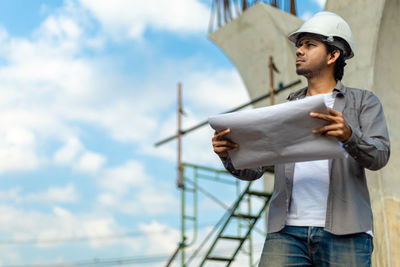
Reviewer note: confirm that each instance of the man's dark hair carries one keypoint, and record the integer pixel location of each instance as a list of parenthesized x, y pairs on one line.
[(339, 63)]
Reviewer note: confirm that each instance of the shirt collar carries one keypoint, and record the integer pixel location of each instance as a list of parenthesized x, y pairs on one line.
[(339, 89)]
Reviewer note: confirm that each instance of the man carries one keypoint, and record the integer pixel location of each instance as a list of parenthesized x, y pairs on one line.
[(320, 212)]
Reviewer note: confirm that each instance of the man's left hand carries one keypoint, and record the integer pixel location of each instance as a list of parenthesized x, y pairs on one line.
[(337, 126)]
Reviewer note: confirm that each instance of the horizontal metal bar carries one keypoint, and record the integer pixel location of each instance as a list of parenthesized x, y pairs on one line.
[(217, 179), (219, 259), (244, 216), (185, 164), (236, 238)]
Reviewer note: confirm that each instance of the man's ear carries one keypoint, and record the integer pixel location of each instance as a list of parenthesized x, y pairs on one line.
[(333, 56)]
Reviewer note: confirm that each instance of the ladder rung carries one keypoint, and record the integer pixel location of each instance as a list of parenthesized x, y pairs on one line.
[(244, 216), (189, 217), (219, 259), (259, 194), (238, 238)]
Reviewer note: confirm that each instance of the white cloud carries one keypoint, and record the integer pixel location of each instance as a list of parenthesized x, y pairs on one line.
[(17, 150), (99, 227), (90, 162), (216, 91), (74, 154), (127, 18), (61, 28), (130, 190), (69, 152), (157, 200), (3, 34), (123, 178), (165, 242), (42, 85), (11, 195), (107, 199), (65, 194), (127, 120), (47, 87), (60, 224), (321, 3)]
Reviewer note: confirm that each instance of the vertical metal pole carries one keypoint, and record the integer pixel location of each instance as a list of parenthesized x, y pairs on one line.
[(195, 211), (183, 237), (244, 5), (239, 225), (179, 135), (271, 80), (250, 238), (180, 172), (293, 7), (226, 11), (218, 12)]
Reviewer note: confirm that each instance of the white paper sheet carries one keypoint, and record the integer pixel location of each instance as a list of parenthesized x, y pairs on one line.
[(278, 134)]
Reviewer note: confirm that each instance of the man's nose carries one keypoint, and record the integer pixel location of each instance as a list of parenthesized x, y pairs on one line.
[(299, 51)]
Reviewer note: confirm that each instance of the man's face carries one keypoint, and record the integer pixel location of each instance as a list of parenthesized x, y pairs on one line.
[(311, 57)]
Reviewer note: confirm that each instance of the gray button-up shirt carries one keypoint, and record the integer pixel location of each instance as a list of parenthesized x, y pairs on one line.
[(348, 206)]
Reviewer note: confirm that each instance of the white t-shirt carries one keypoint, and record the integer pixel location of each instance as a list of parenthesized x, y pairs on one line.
[(310, 190)]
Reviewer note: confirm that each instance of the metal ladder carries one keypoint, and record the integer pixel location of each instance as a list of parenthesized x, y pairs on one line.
[(234, 213)]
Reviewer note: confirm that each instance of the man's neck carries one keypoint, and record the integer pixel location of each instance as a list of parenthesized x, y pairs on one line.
[(318, 85)]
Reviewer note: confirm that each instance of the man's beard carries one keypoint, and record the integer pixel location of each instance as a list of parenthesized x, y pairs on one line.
[(305, 72), (311, 71)]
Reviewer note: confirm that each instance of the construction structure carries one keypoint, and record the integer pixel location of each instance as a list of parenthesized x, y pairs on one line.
[(262, 30)]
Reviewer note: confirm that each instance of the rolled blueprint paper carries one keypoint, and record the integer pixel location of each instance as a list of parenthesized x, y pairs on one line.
[(278, 134)]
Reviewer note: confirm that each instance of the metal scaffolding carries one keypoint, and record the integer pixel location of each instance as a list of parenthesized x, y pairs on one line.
[(223, 11)]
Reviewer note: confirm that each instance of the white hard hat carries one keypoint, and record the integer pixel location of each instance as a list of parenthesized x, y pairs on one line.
[(328, 25)]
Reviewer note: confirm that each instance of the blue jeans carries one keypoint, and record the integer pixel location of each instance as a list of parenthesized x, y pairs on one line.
[(313, 246)]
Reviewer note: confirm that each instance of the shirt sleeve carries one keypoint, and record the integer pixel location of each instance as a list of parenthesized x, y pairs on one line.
[(244, 174), (370, 144)]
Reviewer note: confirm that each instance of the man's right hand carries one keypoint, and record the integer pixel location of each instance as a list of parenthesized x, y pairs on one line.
[(221, 144)]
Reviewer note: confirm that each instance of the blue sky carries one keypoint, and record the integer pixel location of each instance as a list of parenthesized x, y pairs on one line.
[(86, 89)]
